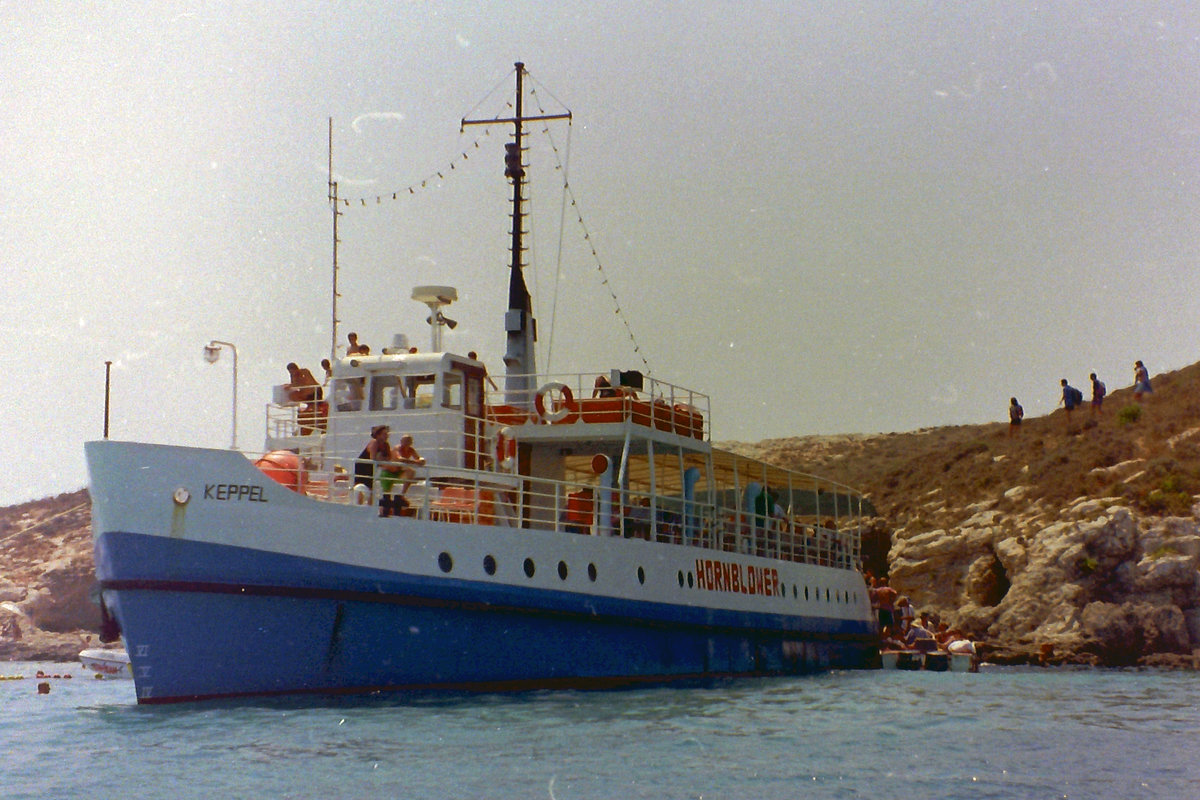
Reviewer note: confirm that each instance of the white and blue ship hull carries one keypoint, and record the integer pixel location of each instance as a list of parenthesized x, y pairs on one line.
[(225, 584)]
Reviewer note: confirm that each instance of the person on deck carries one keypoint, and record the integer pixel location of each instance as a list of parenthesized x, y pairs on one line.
[(303, 388), (602, 388), (356, 349), (408, 459), (377, 450)]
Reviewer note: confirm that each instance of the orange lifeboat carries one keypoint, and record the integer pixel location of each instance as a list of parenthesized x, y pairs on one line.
[(284, 467)]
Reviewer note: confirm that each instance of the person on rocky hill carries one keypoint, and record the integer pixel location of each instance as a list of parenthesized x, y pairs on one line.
[(1015, 415), (1098, 393), (1141, 381), (1071, 398)]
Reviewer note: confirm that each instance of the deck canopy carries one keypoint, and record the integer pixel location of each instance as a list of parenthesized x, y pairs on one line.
[(732, 476)]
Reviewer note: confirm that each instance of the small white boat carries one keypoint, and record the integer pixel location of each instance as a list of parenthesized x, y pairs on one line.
[(107, 663), (937, 661)]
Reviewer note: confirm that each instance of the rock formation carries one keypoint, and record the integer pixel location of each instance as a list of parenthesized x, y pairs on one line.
[(1092, 583), (46, 577)]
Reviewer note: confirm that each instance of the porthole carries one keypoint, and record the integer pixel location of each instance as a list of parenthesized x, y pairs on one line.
[(445, 562), (641, 576), (680, 576), (806, 594), (691, 580), (489, 565), (827, 594), (592, 573), (562, 570), (795, 594), (529, 568)]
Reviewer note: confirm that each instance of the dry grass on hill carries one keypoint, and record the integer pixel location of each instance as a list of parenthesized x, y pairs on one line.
[(34, 533), (1059, 461)]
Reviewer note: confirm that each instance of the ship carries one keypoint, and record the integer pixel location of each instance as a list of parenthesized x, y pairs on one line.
[(574, 530)]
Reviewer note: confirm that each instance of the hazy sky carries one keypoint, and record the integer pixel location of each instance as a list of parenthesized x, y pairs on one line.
[(831, 217)]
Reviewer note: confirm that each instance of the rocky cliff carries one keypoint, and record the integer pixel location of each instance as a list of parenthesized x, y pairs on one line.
[(1075, 541), (46, 576)]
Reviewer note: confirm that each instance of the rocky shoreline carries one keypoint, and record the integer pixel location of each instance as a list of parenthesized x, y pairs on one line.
[(1076, 542), (1092, 584)]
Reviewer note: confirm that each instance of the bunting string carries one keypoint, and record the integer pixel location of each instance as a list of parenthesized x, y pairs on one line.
[(432, 180)]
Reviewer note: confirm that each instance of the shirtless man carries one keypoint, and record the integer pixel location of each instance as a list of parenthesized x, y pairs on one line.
[(303, 388), (407, 457)]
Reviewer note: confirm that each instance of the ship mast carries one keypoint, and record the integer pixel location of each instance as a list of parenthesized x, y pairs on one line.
[(519, 325)]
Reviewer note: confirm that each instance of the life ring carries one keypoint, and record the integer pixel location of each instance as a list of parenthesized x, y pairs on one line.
[(564, 408), (506, 448)]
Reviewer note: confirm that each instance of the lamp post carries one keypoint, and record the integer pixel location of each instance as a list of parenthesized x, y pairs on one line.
[(212, 351)]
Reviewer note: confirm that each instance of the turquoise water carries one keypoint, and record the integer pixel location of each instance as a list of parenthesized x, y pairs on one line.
[(1002, 733)]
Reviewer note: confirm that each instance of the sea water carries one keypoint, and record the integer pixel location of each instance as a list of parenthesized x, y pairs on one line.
[(1001, 733)]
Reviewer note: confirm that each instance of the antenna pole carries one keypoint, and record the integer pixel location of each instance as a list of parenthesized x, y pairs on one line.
[(107, 386), (333, 203)]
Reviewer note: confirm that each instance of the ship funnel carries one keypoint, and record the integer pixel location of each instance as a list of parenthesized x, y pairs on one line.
[(435, 297)]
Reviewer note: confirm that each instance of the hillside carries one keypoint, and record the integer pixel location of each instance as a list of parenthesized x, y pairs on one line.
[(1073, 541), (1076, 538), (46, 574), (1059, 461)]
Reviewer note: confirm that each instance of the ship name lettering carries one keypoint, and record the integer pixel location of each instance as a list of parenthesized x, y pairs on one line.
[(722, 576), (234, 491)]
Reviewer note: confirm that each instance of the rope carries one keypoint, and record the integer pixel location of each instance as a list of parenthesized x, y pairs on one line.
[(568, 195), (587, 236), (39, 523)]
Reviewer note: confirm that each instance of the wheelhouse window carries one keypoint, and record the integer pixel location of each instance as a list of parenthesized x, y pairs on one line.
[(452, 390), (419, 391), (474, 396), (348, 394), (387, 393)]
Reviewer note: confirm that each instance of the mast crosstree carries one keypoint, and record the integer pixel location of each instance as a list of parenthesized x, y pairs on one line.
[(519, 325)]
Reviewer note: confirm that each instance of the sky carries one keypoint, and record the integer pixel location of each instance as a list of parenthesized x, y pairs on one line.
[(830, 217)]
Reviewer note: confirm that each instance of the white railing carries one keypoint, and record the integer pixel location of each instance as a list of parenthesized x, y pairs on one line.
[(493, 493), (486, 497), (569, 398)]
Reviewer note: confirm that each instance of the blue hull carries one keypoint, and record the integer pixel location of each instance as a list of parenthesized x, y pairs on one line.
[(283, 625)]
